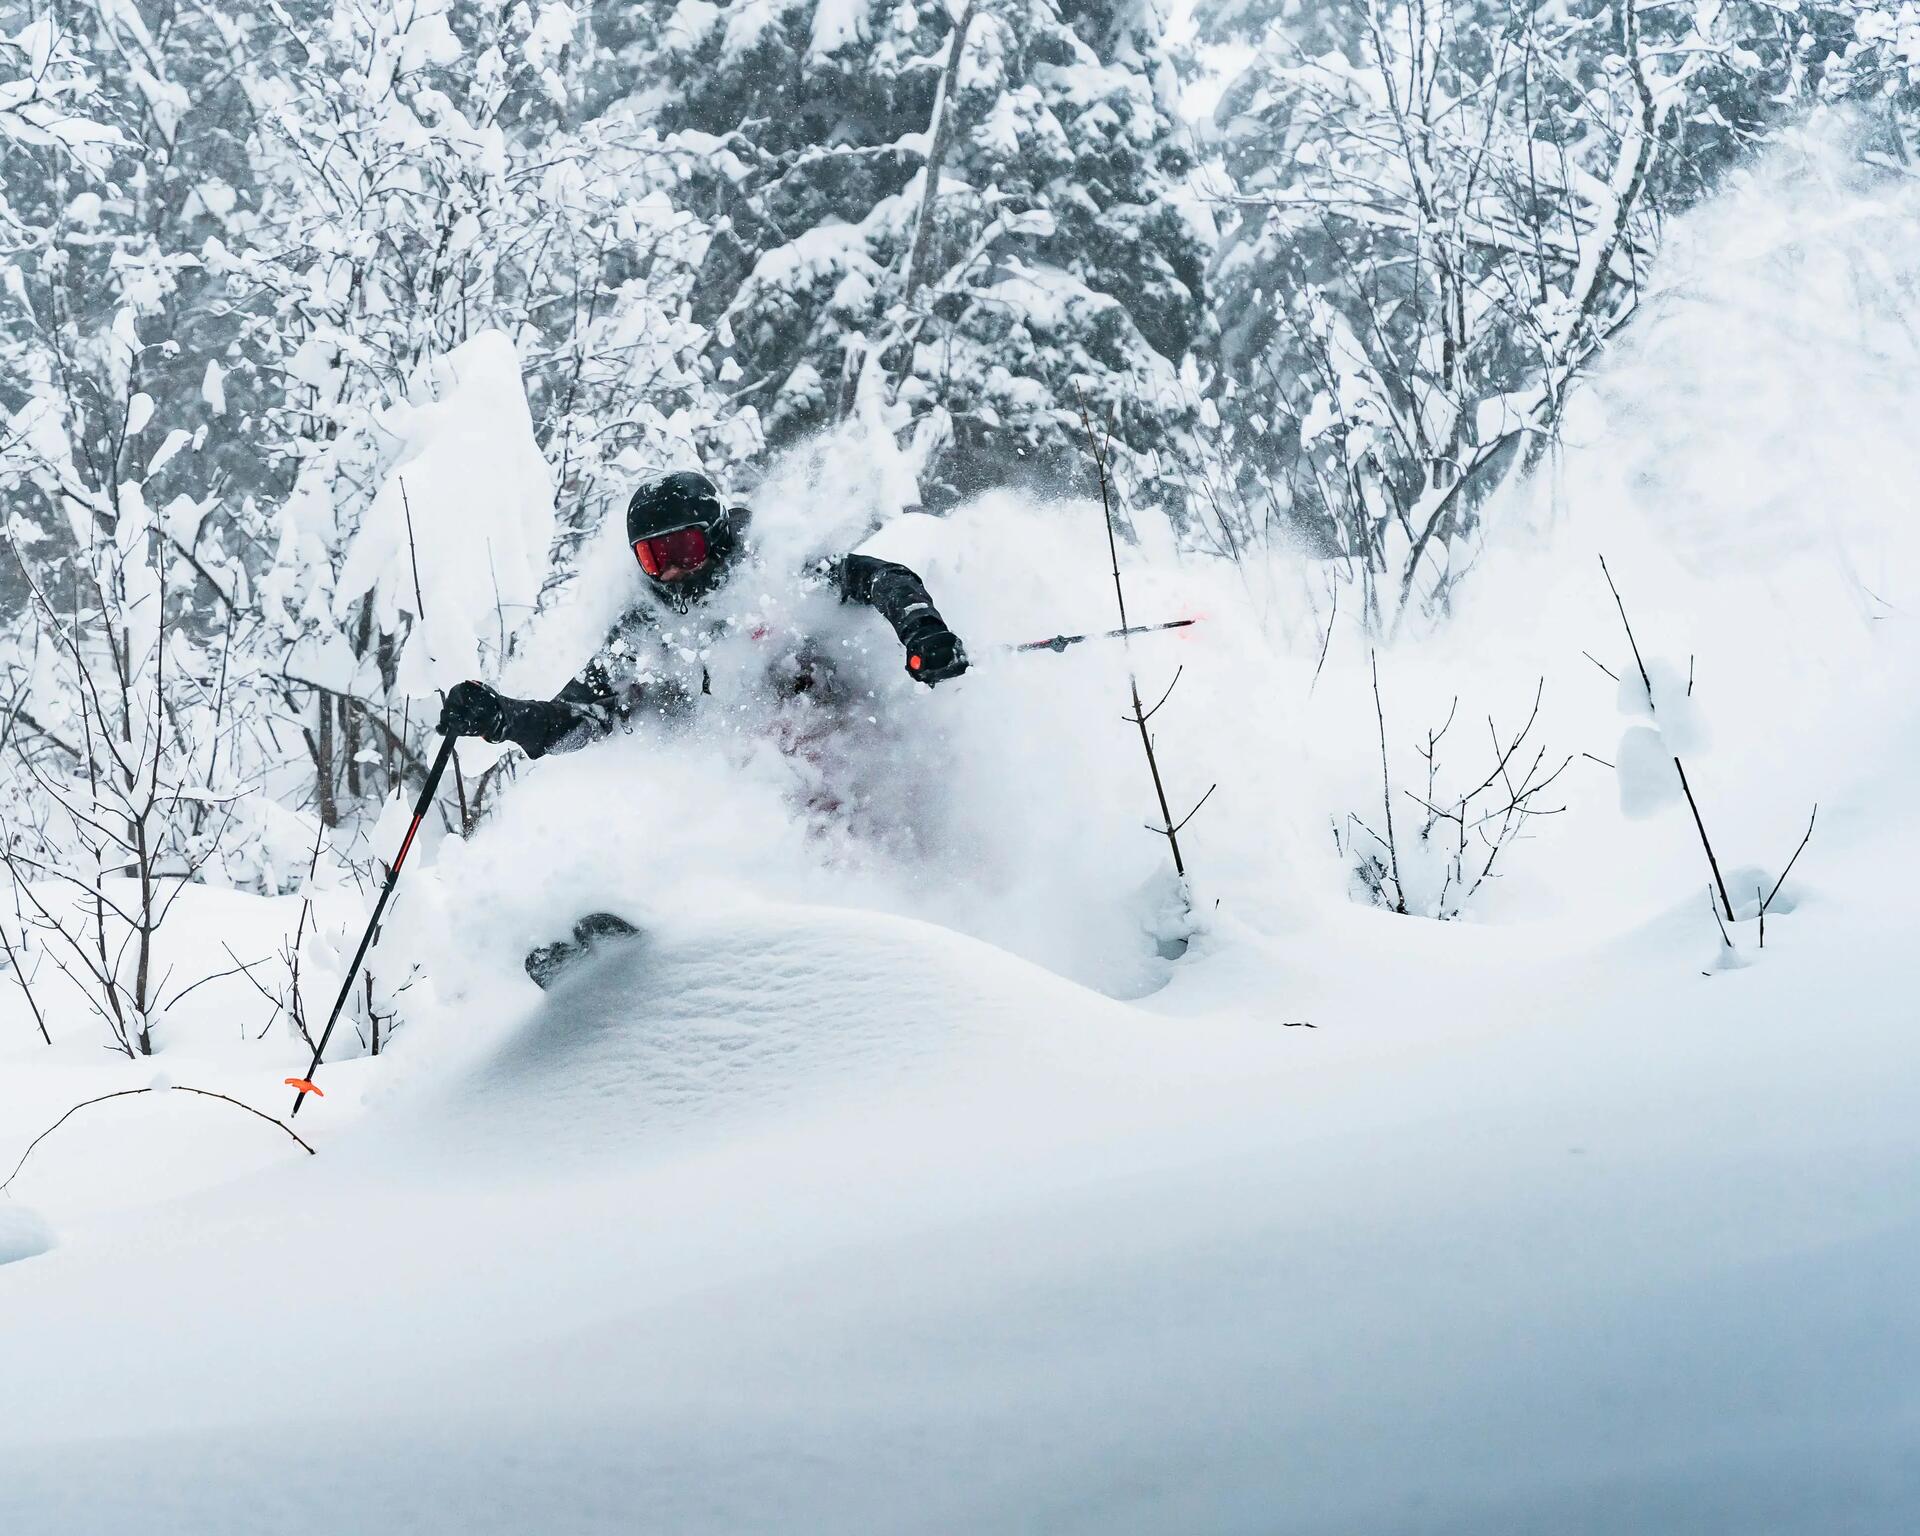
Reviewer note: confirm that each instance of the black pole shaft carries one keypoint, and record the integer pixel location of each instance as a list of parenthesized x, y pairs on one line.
[(420, 809)]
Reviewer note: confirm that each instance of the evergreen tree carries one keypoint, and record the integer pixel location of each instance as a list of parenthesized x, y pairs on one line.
[(1054, 253)]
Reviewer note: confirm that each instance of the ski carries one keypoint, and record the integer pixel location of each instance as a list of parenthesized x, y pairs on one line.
[(594, 932)]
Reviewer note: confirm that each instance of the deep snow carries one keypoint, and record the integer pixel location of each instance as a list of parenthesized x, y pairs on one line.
[(871, 1227), (894, 1182)]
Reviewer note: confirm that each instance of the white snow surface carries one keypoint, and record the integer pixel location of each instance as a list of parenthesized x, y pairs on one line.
[(23, 1233), (893, 1181)]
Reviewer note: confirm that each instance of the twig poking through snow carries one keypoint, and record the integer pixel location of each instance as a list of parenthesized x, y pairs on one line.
[(127, 1093), (1627, 624), (1653, 709), (1712, 862), (1168, 828), (1386, 788), (1724, 938), (1791, 862), (1325, 642)]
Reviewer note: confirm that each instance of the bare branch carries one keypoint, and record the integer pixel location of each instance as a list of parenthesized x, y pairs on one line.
[(128, 1093), (1386, 788), (1791, 862)]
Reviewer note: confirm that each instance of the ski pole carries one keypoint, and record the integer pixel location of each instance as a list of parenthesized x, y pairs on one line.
[(304, 1086), (1060, 642)]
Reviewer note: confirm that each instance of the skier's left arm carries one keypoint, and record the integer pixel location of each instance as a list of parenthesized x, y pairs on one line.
[(934, 652)]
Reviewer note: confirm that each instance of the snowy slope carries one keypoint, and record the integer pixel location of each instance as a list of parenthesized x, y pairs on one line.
[(894, 1182), (1553, 1255)]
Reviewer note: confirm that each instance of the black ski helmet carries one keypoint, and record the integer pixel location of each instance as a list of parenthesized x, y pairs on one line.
[(685, 502)]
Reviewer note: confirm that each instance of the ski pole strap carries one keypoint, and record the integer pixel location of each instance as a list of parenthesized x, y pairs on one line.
[(304, 1085), (1060, 642)]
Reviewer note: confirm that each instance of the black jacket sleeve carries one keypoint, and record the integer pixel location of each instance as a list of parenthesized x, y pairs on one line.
[(564, 723), (892, 591), (585, 710)]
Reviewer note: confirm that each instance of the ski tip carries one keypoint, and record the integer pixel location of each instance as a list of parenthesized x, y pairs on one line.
[(306, 1086)]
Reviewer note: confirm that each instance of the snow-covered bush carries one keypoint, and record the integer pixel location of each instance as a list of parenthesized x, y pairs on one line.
[(130, 726), (415, 188), (140, 792), (46, 93), (1434, 858), (1667, 724)]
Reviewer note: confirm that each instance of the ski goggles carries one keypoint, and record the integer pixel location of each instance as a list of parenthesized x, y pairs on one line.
[(669, 556)]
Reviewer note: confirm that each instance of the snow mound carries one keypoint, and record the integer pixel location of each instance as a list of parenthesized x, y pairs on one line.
[(467, 515), (24, 1234), (754, 1009)]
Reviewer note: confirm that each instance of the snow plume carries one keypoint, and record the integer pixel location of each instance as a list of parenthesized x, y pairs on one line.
[(827, 494), (459, 534), (1008, 805), (1757, 436), (1763, 407), (948, 803)]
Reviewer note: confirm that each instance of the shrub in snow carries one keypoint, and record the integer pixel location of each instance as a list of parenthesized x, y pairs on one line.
[(1436, 855), (125, 800), (1652, 776), (139, 763), (1171, 930)]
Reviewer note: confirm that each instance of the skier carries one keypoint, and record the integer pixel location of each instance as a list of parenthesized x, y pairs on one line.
[(688, 546)]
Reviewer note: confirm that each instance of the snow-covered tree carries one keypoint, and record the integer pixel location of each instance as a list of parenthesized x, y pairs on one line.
[(415, 183), (1868, 57), (1443, 211), (136, 761), (980, 207), (130, 748)]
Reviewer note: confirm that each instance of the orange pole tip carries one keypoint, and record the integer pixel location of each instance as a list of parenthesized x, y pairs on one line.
[(306, 1087)]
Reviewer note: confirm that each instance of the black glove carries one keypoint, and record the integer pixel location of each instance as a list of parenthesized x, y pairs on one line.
[(472, 709), (934, 653)]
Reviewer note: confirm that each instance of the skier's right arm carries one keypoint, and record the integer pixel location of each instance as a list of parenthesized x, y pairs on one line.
[(582, 712)]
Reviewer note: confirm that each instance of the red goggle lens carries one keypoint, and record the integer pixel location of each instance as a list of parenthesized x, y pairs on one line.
[(670, 555)]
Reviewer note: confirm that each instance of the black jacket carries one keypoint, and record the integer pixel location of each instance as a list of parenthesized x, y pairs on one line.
[(612, 687)]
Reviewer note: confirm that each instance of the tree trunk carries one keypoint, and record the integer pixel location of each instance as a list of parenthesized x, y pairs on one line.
[(942, 128), (323, 760), (143, 970), (349, 708)]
